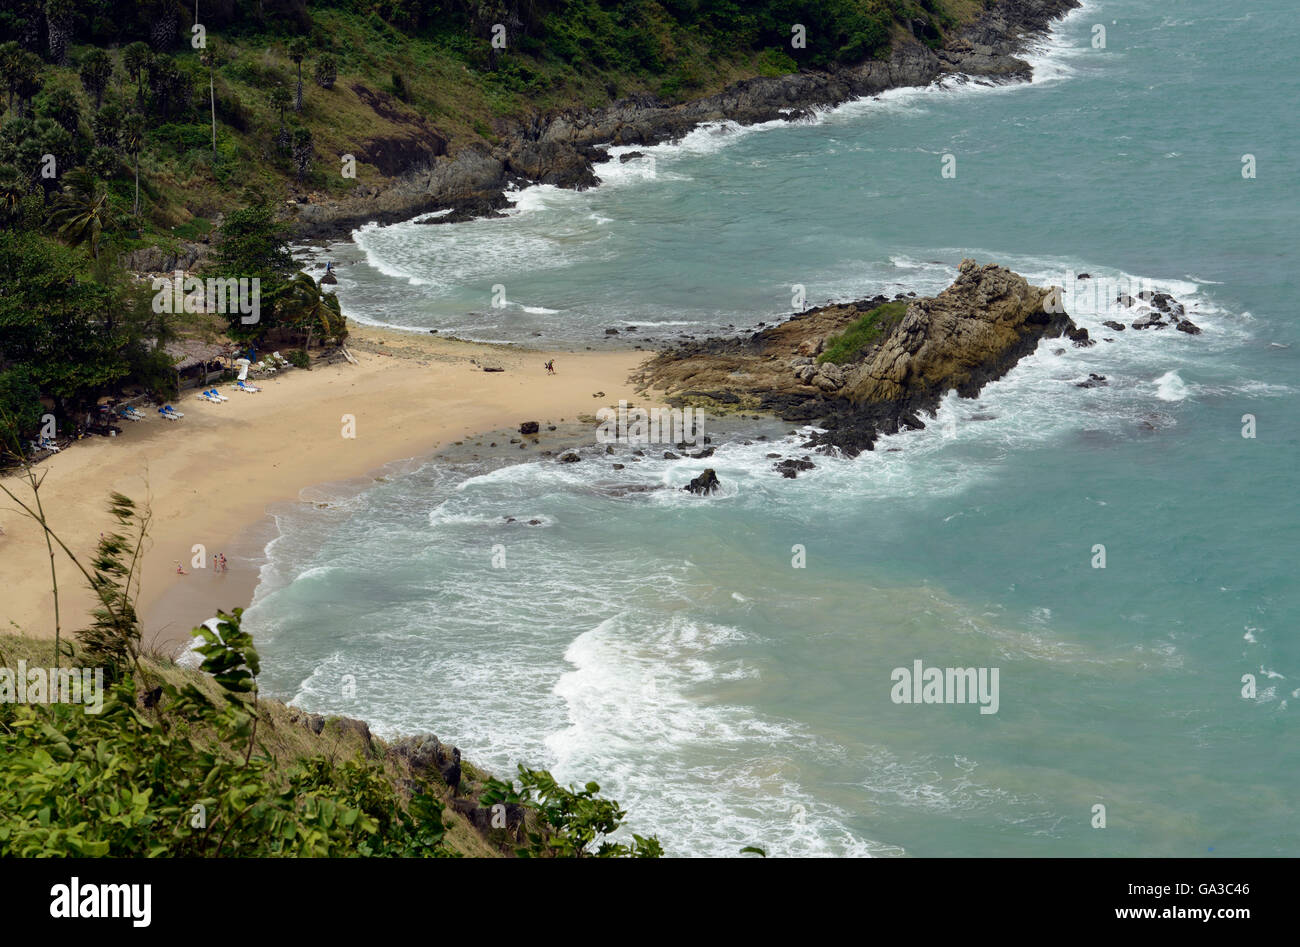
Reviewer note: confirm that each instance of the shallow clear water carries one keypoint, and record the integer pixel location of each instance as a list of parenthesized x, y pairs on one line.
[(665, 647)]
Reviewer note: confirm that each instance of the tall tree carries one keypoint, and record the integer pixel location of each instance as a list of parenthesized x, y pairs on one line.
[(302, 150), (298, 52), (106, 126), (171, 87), (133, 131), (20, 72), (305, 306), (96, 74), (279, 99), (10, 69), (81, 211), (209, 58), (252, 244), (135, 60), (52, 320), (58, 28), (63, 107)]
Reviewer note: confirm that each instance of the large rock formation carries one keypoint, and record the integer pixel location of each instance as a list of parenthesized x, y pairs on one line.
[(969, 334), (972, 333)]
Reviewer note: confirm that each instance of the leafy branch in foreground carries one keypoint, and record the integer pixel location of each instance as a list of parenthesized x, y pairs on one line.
[(170, 780), (169, 769), (572, 820)]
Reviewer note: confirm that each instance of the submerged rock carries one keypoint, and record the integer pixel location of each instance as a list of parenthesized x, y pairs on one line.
[(790, 468)]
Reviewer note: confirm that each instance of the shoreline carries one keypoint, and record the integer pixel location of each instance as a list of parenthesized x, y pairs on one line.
[(214, 478), (564, 147)]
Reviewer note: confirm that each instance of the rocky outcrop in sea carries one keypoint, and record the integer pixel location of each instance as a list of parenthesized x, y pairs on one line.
[(908, 353)]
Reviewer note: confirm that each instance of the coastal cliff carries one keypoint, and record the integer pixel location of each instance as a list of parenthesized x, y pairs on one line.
[(561, 147)]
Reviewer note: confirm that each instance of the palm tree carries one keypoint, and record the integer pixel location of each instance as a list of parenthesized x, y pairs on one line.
[(209, 58), (303, 304), (302, 150), (20, 71), (64, 107), (279, 99), (81, 211), (133, 130), (10, 67), (298, 52), (327, 71), (96, 73), (13, 188), (135, 60)]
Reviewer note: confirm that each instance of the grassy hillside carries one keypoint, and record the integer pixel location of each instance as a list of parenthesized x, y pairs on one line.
[(406, 81)]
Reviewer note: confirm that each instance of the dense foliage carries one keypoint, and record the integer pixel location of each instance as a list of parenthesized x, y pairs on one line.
[(182, 779), (171, 768)]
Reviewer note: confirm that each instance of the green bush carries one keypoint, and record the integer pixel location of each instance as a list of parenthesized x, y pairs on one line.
[(861, 333), (775, 62), (134, 782), (183, 138)]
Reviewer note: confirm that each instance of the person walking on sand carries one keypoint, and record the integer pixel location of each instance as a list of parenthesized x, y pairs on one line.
[(550, 367)]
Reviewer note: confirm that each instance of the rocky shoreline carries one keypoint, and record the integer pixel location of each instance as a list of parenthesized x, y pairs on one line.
[(860, 370), (562, 148)]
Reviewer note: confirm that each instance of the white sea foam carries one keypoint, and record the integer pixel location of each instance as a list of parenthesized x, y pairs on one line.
[(1171, 387)]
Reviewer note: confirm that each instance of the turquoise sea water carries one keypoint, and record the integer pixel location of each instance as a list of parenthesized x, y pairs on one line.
[(666, 647)]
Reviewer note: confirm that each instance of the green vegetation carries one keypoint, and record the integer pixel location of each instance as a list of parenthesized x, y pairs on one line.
[(869, 327), (358, 74), (74, 327), (193, 763), (126, 127)]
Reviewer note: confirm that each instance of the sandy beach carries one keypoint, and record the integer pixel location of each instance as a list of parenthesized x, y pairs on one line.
[(209, 478)]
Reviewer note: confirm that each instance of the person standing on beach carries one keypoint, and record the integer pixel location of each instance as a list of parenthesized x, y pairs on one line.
[(223, 562)]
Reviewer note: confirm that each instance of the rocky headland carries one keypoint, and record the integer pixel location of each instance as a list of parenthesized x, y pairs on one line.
[(859, 370), (562, 147)]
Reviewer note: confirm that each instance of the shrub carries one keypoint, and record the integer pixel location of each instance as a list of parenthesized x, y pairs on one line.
[(326, 72), (846, 346), (776, 62)]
